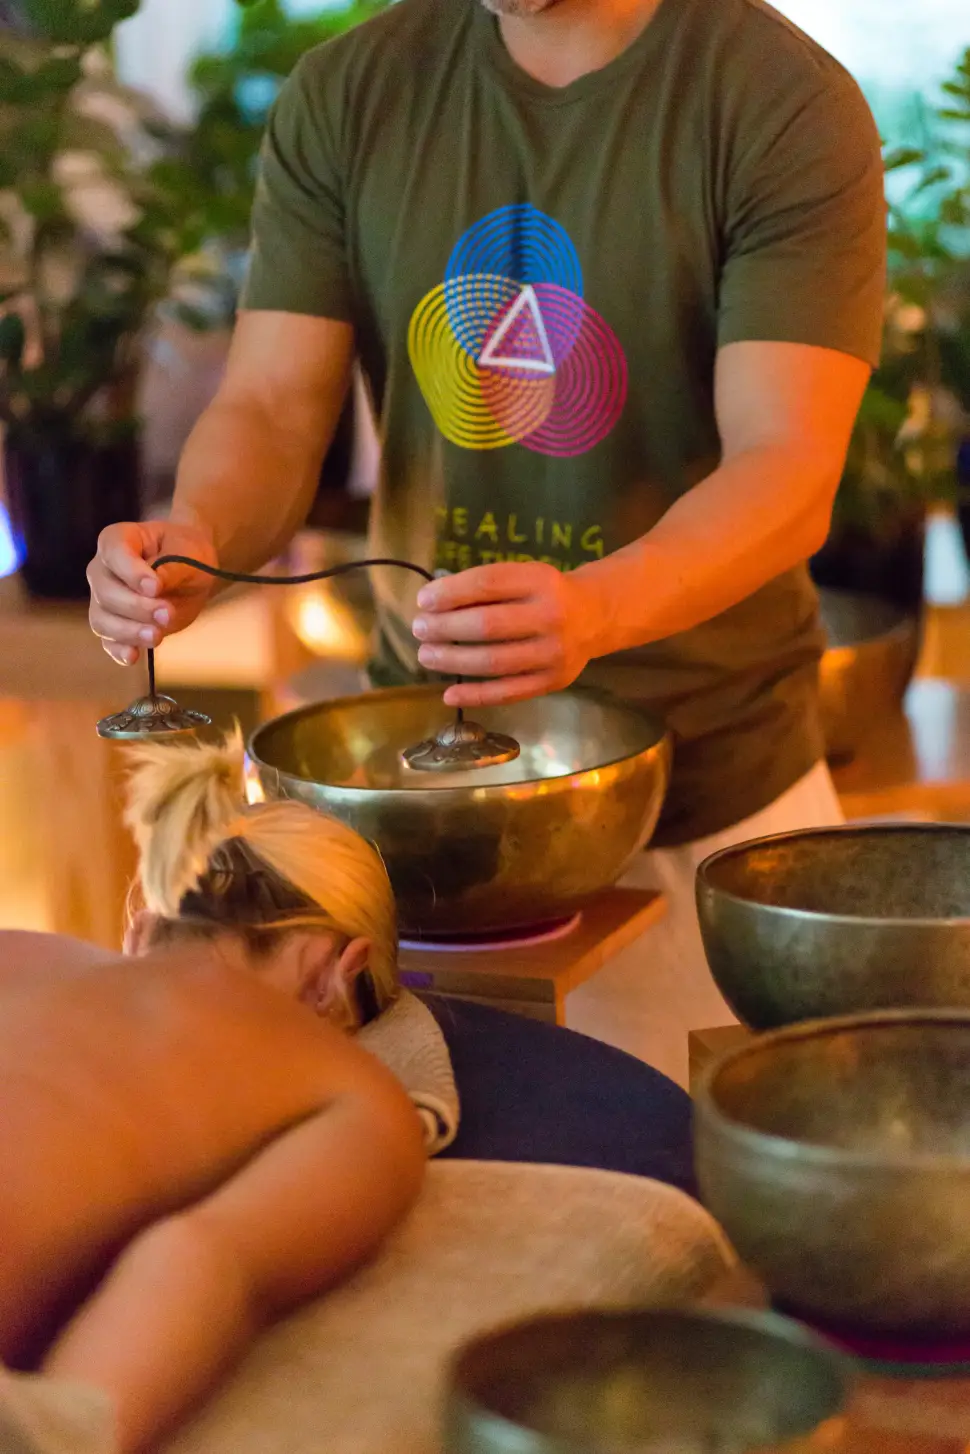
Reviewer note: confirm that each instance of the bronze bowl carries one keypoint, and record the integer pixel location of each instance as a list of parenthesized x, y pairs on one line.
[(643, 1382), (872, 652), (488, 849), (836, 1155), (827, 922)]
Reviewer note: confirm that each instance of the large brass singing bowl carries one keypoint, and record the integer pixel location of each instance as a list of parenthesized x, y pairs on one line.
[(872, 652), (637, 1382), (830, 922), (836, 1156), (489, 848)]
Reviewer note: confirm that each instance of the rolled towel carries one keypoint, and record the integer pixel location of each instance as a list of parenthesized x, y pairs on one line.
[(46, 1416), (362, 1371), (407, 1039)]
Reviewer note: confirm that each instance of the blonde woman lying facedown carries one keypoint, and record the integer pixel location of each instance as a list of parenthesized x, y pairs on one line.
[(192, 1145)]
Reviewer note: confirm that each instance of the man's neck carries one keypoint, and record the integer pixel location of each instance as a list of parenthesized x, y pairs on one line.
[(574, 37)]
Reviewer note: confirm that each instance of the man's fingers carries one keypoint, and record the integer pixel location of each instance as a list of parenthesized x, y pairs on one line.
[(503, 689), (480, 623), (500, 660), (123, 655), (121, 631), (116, 599), (121, 551), (510, 581)]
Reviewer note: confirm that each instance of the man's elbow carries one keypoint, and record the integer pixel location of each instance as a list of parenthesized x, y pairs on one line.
[(821, 475)]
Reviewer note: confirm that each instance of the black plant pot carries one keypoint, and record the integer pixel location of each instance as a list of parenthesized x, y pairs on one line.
[(62, 493), (888, 565), (963, 484)]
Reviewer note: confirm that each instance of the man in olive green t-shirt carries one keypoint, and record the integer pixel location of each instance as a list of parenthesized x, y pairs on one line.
[(613, 270)]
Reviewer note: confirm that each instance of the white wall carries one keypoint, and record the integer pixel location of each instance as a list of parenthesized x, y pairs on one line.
[(908, 43), (155, 48)]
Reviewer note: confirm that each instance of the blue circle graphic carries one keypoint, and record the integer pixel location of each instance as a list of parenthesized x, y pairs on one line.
[(513, 246)]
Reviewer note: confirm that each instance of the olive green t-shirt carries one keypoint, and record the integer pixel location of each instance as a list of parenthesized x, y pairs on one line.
[(540, 280)]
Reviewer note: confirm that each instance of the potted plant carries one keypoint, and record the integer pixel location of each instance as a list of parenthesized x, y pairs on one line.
[(88, 244), (902, 459), (213, 177)]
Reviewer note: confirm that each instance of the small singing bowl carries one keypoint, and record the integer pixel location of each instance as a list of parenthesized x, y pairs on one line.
[(836, 1156), (871, 655), (808, 925), (643, 1382)]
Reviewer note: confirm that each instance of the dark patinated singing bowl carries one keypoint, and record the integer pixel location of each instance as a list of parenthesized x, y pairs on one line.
[(836, 1156), (872, 651), (489, 848), (637, 1382), (830, 922)]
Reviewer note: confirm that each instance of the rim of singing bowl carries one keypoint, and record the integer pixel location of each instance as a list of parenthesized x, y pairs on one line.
[(743, 1134), (659, 738), (474, 1362), (708, 868), (895, 623)]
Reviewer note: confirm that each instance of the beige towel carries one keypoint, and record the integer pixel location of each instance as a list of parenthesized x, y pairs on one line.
[(407, 1038), (361, 1371), (46, 1416)]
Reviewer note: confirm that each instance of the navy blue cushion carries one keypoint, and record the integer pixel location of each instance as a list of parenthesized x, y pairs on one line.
[(534, 1092)]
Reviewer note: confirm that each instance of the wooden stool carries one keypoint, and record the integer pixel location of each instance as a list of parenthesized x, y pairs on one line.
[(534, 979), (706, 1046)]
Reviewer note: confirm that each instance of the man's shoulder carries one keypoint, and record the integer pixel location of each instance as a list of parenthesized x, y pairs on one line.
[(763, 34)]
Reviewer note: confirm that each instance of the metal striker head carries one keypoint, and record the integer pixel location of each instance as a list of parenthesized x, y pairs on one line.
[(460, 746)]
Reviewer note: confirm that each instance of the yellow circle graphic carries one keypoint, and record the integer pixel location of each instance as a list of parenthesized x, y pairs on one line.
[(452, 383)]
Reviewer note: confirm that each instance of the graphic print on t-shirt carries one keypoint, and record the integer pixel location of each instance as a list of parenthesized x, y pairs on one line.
[(506, 350)]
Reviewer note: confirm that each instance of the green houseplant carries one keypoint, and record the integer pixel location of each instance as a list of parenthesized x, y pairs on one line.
[(213, 176), (904, 451), (88, 244)]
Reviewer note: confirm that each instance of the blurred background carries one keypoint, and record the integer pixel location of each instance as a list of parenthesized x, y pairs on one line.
[(128, 145)]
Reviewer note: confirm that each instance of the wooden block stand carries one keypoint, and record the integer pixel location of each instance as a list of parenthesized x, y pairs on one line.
[(534, 979)]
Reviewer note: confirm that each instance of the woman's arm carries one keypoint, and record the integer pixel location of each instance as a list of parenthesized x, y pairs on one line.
[(190, 1293)]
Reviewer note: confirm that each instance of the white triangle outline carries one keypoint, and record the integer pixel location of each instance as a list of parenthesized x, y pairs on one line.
[(490, 358)]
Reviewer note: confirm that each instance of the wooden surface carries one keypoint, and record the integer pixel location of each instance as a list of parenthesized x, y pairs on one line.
[(535, 979), (887, 1415), (706, 1046)]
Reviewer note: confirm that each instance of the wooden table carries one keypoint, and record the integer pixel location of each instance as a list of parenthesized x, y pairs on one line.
[(887, 1415), (534, 979)]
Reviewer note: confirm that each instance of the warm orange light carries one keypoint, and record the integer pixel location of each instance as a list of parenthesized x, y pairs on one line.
[(326, 625)]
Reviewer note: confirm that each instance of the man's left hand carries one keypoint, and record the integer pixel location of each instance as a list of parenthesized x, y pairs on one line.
[(526, 626)]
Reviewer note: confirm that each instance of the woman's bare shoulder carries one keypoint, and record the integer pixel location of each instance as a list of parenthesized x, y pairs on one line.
[(24, 951)]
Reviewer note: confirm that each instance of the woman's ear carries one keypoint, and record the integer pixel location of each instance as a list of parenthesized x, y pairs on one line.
[(140, 932), (352, 961), (334, 981)]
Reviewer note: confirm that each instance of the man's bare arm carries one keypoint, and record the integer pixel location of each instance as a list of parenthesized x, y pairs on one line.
[(251, 467), (785, 413), (245, 484)]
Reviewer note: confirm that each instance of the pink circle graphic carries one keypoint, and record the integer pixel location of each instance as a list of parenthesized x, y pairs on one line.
[(553, 372)]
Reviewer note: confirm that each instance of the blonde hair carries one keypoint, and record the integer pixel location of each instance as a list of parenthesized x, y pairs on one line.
[(207, 855)]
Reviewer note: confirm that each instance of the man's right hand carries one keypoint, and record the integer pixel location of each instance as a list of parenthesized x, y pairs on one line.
[(133, 606)]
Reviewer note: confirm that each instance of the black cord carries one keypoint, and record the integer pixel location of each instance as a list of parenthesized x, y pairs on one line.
[(241, 578)]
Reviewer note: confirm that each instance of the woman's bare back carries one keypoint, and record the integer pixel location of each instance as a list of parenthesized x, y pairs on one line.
[(129, 1088)]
